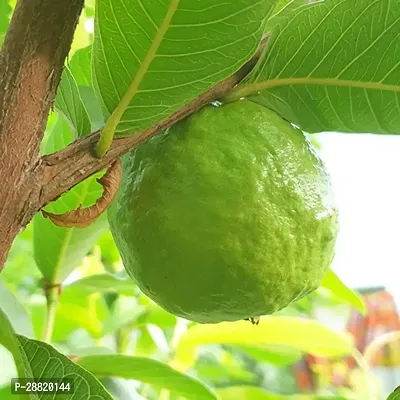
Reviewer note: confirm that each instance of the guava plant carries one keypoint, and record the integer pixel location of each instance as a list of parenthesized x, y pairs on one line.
[(73, 103)]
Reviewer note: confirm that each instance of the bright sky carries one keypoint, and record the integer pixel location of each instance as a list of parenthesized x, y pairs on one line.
[(365, 171)]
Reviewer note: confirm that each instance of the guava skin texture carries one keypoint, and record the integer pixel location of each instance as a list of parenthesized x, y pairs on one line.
[(227, 215)]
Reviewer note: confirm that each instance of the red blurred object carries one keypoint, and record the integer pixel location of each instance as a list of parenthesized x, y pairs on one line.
[(381, 317)]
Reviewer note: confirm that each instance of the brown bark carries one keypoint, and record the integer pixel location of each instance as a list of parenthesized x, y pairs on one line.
[(31, 63)]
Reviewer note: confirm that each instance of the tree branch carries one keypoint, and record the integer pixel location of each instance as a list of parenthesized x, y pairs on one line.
[(61, 171), (31, 63)]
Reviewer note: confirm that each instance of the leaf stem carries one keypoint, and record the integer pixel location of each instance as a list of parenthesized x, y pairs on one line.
[(239, 92), (253, 88), (107, 134), (52, 293), (106, 138), (122, 340)]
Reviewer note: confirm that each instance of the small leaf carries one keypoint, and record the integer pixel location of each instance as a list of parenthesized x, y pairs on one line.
[(332, 282), (105, 283), (311, 337), (151, 58), (17, 314), (46, 362), (83, 217), (333, 65), (149, 371), (69, 103)]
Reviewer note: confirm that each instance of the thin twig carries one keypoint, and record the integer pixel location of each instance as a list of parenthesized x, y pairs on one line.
[(52, 293)]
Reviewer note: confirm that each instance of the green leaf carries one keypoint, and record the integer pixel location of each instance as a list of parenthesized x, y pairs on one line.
[(105, 283), (93, 107), (333, 66), (58, 251), (311, 337), (121, 389), (109, 250), (69, 103), (255, 393), (332, 282), (151, 58), (125, 313), (282, 9), (17, 314), (20, 272), (5, 393), (9, 341), (5, 12), (276, 355), (58, 136), (46, 362), (395, 395), (80, 66), (149, 371), (76, 309)]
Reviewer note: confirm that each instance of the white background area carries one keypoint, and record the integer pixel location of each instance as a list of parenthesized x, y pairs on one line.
[(365, 172)]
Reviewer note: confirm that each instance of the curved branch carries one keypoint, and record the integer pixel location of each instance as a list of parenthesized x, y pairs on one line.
[(83, 217)]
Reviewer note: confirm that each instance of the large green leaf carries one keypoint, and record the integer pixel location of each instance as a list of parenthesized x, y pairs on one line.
[(59, 250), (333, 66), (150, 371), (156, 56), (17, 314), (69, 103), (281, 10), (46, 362), (310, 337), (332, 282), (106, 283)]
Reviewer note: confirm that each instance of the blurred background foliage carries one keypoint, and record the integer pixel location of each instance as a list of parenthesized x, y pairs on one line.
[(307, 351)]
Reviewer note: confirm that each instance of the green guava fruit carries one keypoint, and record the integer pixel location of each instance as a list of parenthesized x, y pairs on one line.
[(228, 215)]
